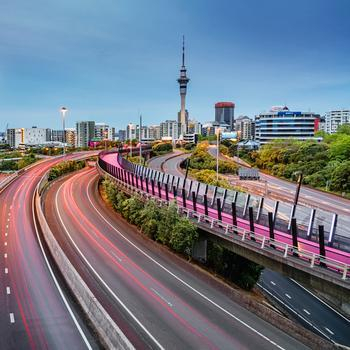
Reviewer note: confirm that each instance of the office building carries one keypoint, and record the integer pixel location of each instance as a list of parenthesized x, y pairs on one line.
[(121, 135), (85, 132), (281, 123), (57, 136), (333, 119), (28, 136), (225, 113), (154, 132), (183, 81), (194, 127)]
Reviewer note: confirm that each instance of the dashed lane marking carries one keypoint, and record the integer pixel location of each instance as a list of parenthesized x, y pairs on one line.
[(6, 270), (328, 330), (8, 290), (12, 317), (307, 312), (288, 296), (273, 283), (5, 255)]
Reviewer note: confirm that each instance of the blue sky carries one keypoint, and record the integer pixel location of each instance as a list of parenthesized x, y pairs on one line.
[(109, 60)]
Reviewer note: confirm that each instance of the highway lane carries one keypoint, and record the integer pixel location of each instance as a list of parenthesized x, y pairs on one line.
[(312, 197), (34, 314), (173, 306), (290, 295)]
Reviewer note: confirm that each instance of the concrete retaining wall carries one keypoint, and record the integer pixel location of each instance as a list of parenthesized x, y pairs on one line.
[(108, 331)]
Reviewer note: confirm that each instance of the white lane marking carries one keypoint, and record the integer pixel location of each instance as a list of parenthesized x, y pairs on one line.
[(12, 317), (5, 243), (6, 270), (161, 296), (54, 277), (6, 234), (328, 330), (319, 299), (295, 312), (102, 281), (307, 312), (7, 226), (288, 296), (8, 290), (9, 214), (178, 278), (273, 283), (116, 256), (8, 219), (5, 255)]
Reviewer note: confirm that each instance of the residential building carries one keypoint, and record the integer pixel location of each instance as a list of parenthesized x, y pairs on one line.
[(121, 135), (225, 113), (85, 132), (14, 137), (57, 136), (132, 132), (170, 129), (281, 123), (154, 132), (194, 127), (245, 128), (333, 119), (104, 131), (70, 137)]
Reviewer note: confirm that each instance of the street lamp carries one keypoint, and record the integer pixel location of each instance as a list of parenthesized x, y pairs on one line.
[(217, 131), (105, 137), (64, 110)]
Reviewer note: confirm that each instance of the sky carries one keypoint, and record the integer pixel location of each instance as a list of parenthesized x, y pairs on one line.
[(111, 60)]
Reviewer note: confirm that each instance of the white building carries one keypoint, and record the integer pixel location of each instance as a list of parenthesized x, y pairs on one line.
[(132, 132), (333, 119), (14, 137), (281, 123), (245, 128), (170, 129)]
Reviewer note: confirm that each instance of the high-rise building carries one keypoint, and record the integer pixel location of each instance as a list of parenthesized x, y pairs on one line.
[(154, 132), (132, 132), (104, 131), (169, 129), (85, 132), (335, 118), (194, 127), (70, 136), (245, 128), (281, 123), (121, 135), (14, 137), (225, 113), (57, 136), (183, 81)]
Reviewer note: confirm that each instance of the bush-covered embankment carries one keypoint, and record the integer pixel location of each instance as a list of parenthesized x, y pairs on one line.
[(166, 226), (325, 165), (65, 168)]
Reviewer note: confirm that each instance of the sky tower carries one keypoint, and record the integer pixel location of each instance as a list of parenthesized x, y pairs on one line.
[(183, 81)]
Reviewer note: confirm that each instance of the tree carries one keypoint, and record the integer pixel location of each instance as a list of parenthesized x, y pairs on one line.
[(344, 129)]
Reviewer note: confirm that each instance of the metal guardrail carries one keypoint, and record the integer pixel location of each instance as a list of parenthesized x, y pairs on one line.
[(235, 233)]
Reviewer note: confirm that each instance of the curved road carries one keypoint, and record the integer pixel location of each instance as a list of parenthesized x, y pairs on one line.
[(290, 295), (157, 299), (34, 314)]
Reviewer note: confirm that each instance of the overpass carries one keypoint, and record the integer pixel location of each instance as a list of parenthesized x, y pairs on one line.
[(209, 208)]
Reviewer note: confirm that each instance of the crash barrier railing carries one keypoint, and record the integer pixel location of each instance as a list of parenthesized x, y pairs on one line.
[(132, 183)]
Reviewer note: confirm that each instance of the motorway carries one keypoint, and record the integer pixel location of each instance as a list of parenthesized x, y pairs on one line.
[(158, 300), (290, 295), (35, 311), (309, 196)]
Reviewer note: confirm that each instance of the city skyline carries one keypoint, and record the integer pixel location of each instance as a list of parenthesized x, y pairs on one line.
[(113, 63)]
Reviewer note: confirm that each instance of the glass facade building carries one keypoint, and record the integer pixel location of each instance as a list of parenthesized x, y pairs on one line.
[(285, 124)]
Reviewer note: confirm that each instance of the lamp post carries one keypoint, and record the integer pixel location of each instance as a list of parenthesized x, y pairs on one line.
[(64, 110), (218, 130), (105, 132)]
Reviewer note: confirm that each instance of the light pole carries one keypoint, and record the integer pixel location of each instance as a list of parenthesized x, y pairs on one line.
[(218, 130), (105, 135), (64, 110)]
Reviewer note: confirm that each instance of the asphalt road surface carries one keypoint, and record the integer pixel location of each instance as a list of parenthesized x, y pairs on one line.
[(294, 298), (158, 300), (34, 313)]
